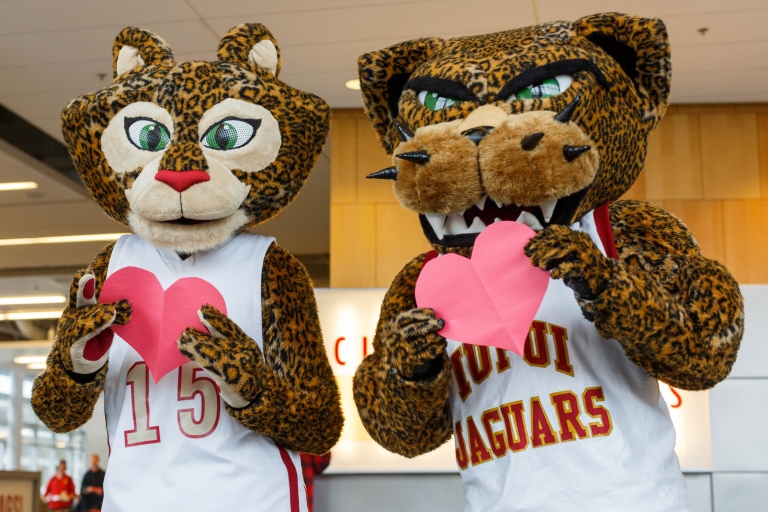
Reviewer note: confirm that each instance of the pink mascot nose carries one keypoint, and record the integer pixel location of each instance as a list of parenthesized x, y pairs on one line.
[(182, 180)]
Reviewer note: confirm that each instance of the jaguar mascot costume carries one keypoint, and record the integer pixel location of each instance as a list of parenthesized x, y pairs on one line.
[(203, 337), (546, 126)]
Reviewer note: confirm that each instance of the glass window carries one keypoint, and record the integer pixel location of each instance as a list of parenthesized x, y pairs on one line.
[(5, 384), (41, 448)]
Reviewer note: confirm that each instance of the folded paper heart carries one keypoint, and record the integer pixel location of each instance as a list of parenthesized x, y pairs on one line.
[(159, 316), (490, 299)]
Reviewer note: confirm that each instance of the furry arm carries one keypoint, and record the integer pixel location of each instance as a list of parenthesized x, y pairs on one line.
[(62, 398), (404, 409), (289, 393), (677, 314)]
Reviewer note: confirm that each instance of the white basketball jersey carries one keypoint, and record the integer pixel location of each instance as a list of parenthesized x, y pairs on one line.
[(573, 425), (173, 446)]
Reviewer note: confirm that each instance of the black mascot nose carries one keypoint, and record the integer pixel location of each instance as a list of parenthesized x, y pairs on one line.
[(476, 134)]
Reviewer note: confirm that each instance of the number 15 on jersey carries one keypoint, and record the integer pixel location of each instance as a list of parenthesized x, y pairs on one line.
[(192, 383)]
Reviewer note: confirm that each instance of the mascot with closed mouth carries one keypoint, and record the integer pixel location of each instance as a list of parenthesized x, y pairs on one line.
[(203, 337), (545, 126)]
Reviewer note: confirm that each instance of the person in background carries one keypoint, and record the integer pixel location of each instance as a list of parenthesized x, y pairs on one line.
[(92, 490), (60, 490), (312, 465)]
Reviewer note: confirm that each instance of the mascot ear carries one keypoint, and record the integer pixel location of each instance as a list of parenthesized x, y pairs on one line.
[(382, 76), (135, 47), (641, 47), (251, 46)]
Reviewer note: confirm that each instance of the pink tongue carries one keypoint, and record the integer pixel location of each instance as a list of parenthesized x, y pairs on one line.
[(490, 299)]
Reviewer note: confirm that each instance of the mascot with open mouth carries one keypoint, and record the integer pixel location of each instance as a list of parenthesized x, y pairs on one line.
[(203, 337), (545, 126)]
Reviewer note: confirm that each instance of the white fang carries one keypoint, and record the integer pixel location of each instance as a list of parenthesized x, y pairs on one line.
[(455, 224), (477, 226), (547, 209), (437, 221), (530, 220)]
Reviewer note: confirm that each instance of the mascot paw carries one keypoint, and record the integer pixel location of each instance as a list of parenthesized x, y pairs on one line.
[(411, 343), (573, 257), (83, 337), (231, 357)]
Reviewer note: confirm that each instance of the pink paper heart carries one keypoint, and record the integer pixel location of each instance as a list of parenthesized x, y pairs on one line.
[(490, 299), (159, 316)]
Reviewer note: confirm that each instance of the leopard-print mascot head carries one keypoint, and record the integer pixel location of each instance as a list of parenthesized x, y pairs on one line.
[(188, 153), (538, 125)]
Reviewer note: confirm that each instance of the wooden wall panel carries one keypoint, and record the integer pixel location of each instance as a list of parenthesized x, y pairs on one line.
[(729, 156), (673, 164), (343, 158), (398, 239), (372, 236), (710, 108), (353, 245), (746, 240), (762, 139), (705, 220), (371, 158), (707, 164)]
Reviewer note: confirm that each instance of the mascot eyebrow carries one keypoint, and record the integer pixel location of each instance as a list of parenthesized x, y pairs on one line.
[(450, 88), (456, 89), (537, 74)]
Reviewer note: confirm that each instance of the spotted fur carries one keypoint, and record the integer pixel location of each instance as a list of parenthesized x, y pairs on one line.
[(406, 415), (677, 314), (62, 399), (293, 395), (683, 315), (186, 90), (236, 44), (620, 113), (291, 389), (228, 353)]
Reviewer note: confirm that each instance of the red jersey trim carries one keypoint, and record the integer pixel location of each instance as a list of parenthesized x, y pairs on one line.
[(605, 231), (430, 256), (293, 479)]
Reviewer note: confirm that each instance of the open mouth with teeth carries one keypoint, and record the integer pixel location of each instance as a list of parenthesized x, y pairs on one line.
[(459, 229)]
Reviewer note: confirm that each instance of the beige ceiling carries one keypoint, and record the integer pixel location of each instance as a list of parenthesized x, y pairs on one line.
[(54, 50)]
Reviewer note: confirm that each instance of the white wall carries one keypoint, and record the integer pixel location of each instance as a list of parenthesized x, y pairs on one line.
[(389, 493), (738, 481), (441, 493), (739, 417)]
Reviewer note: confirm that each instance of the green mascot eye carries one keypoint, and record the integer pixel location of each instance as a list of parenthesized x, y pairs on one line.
[(224, 136), (545, 89), (434, 101), (230, 133), (147, 134)]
